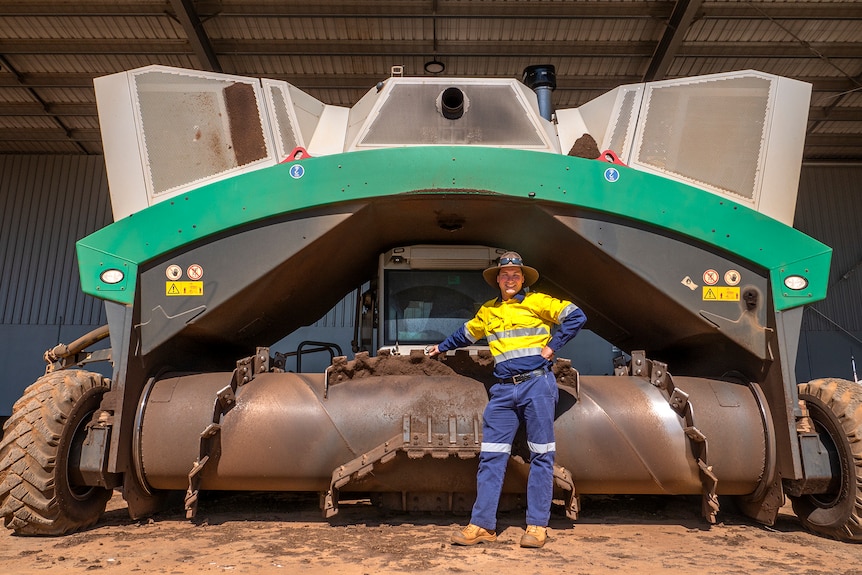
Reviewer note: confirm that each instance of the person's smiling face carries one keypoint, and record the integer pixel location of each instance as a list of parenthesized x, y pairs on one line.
[(511, 280)]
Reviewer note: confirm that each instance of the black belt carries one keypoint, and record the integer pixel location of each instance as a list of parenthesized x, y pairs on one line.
[(522, 377)]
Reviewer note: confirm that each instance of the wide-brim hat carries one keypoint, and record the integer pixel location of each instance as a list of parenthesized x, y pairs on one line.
[(531, 275)]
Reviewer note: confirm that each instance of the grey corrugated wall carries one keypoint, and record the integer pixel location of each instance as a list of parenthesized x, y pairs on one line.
[(829, 208), (46, 204)]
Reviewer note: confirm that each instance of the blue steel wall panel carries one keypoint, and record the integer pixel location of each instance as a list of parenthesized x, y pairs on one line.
[(46, 204), (829, 208)]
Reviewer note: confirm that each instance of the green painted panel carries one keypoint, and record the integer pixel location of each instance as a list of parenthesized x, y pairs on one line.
[(543, 177)]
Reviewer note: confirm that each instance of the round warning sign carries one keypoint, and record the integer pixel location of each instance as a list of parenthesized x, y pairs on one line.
[(732, 277), (174, 272), (195, 272), (710, 277)]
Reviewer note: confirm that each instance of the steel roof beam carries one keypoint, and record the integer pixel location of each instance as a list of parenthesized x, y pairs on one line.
[(197, 36), (684, 13)]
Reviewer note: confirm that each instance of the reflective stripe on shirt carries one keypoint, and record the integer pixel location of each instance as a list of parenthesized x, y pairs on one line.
[(523, 332), (566, 311), (469, 336), (516, 353)]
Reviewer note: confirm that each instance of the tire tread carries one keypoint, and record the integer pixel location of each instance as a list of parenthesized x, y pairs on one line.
[(29, 450), (844, 399)]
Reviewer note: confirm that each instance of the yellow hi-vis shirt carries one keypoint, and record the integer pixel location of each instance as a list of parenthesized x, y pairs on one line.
[(519, 328)]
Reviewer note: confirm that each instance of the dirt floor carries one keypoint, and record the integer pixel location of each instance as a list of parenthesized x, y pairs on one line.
[(264, 533)]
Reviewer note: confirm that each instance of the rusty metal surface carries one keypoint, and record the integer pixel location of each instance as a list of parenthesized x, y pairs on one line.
[(633, 434), (622, 436)]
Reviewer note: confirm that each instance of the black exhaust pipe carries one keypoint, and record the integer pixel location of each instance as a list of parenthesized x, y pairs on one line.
[(452, 103), (542, 79)]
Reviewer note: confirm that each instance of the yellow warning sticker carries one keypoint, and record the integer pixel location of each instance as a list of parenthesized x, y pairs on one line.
[(184, 288), (714, 293)]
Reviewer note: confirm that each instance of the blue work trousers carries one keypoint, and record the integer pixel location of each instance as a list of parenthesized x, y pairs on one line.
[(532, 402)]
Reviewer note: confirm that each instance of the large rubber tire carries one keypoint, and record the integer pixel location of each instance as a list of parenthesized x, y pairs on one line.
[(47, 426), (835, 406)]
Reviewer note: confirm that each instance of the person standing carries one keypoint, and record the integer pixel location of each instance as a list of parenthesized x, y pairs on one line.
[(518, 326)]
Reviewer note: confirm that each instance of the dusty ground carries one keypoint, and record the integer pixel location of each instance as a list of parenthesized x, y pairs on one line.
[(255, 533)]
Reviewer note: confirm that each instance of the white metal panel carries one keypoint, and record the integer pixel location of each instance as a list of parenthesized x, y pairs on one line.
[(121, 145), (570, 127), (738, 134), (170, 130), (328, 138), (783, 160)]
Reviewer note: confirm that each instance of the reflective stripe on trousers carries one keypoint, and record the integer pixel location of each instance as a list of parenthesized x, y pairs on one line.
[(532, 402)]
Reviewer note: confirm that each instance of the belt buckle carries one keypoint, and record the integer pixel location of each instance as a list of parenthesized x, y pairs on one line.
[(522, 377)]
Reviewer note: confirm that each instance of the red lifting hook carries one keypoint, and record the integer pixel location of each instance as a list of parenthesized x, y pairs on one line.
[(298, 153), (611, 157)]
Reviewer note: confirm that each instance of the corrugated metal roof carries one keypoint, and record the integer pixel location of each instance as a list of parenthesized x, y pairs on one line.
[(51, 50)]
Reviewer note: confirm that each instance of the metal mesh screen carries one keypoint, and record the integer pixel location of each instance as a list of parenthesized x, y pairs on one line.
[(196, 127), (286, 136), (619, 138), (686, 132)]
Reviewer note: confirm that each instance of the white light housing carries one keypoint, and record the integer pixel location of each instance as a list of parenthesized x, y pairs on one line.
[(795, 283), (112, 276)]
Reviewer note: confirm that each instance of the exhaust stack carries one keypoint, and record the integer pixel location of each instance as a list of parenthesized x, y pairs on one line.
[(542, 79)]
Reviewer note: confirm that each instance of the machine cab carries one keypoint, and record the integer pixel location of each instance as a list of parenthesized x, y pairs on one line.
[(427, 292)]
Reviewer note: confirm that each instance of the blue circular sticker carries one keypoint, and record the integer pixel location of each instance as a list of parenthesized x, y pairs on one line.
[(297, 171), (612, 175)]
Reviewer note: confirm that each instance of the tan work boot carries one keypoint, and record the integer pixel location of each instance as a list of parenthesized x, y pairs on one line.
[(473, 534), (534, 536)]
